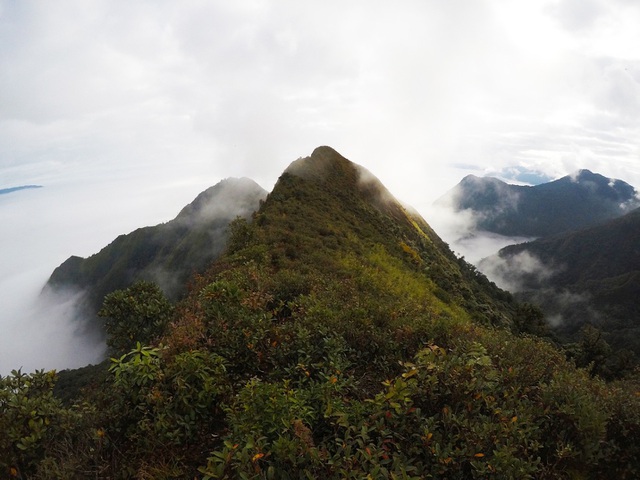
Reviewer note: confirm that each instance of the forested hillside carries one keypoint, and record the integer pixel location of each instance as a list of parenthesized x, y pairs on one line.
[(587, 276), (337, 337)]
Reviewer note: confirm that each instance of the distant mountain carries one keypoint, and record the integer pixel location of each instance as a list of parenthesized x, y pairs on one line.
[(4, 191), (167, 254), (590, 275), (570, 203)]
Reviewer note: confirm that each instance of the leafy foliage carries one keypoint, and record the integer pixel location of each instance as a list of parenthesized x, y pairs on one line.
[(166, 401), (137, 314), (27, 408)]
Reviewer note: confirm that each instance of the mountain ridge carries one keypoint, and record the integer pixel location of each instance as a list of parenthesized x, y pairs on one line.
[(168, 253), (341, 178), (569, 203)]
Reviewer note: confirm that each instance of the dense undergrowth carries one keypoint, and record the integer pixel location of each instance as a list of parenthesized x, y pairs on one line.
[(338, 338)]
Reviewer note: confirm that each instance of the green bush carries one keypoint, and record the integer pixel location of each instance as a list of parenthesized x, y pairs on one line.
[(167, 401), (35, 428), (139, 313)]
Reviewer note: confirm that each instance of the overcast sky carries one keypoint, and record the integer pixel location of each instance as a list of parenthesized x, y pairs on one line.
[(126, 110)]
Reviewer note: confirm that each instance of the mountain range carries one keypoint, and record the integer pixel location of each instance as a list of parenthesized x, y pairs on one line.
[(569, 203), (336, 336)]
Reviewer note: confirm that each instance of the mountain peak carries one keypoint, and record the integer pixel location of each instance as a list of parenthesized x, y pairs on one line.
[(343, 178), (611, 189), (474, 180), (324, 164), (229, 197), (325, 150), (584, 175), (327, 165), (167, 254)]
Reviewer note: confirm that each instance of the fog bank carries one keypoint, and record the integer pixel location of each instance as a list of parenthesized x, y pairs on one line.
[(40, 229)]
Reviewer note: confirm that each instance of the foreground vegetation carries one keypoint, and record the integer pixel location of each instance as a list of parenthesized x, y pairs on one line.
[(337, 338)]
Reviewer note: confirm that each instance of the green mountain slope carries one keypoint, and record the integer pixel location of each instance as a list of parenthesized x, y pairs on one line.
[(591, 275), (328, 205), (167, 254), (338, 337), (569, 203)]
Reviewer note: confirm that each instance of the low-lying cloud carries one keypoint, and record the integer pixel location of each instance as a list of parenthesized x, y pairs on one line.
[(42, 228), (41, 331), (531, 280), (558, 303), (460, 230), (518, 272)]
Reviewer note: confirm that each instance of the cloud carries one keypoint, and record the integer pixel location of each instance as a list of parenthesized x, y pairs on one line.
[(577, 15), (459, 230), (214, 82), (519, 272), (559, 305), (530, 280), (41, 228), (40, 332)]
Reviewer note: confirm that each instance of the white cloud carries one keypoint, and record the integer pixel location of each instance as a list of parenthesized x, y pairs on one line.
[(517, 272)]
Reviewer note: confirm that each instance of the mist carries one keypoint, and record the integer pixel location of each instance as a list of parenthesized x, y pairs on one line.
[(527, 277), (518, 272), (459, 230), (42, 228), (37, 332), (42, 331)]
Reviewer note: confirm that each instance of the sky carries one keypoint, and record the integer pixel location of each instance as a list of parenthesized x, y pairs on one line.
[(125, 110)]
